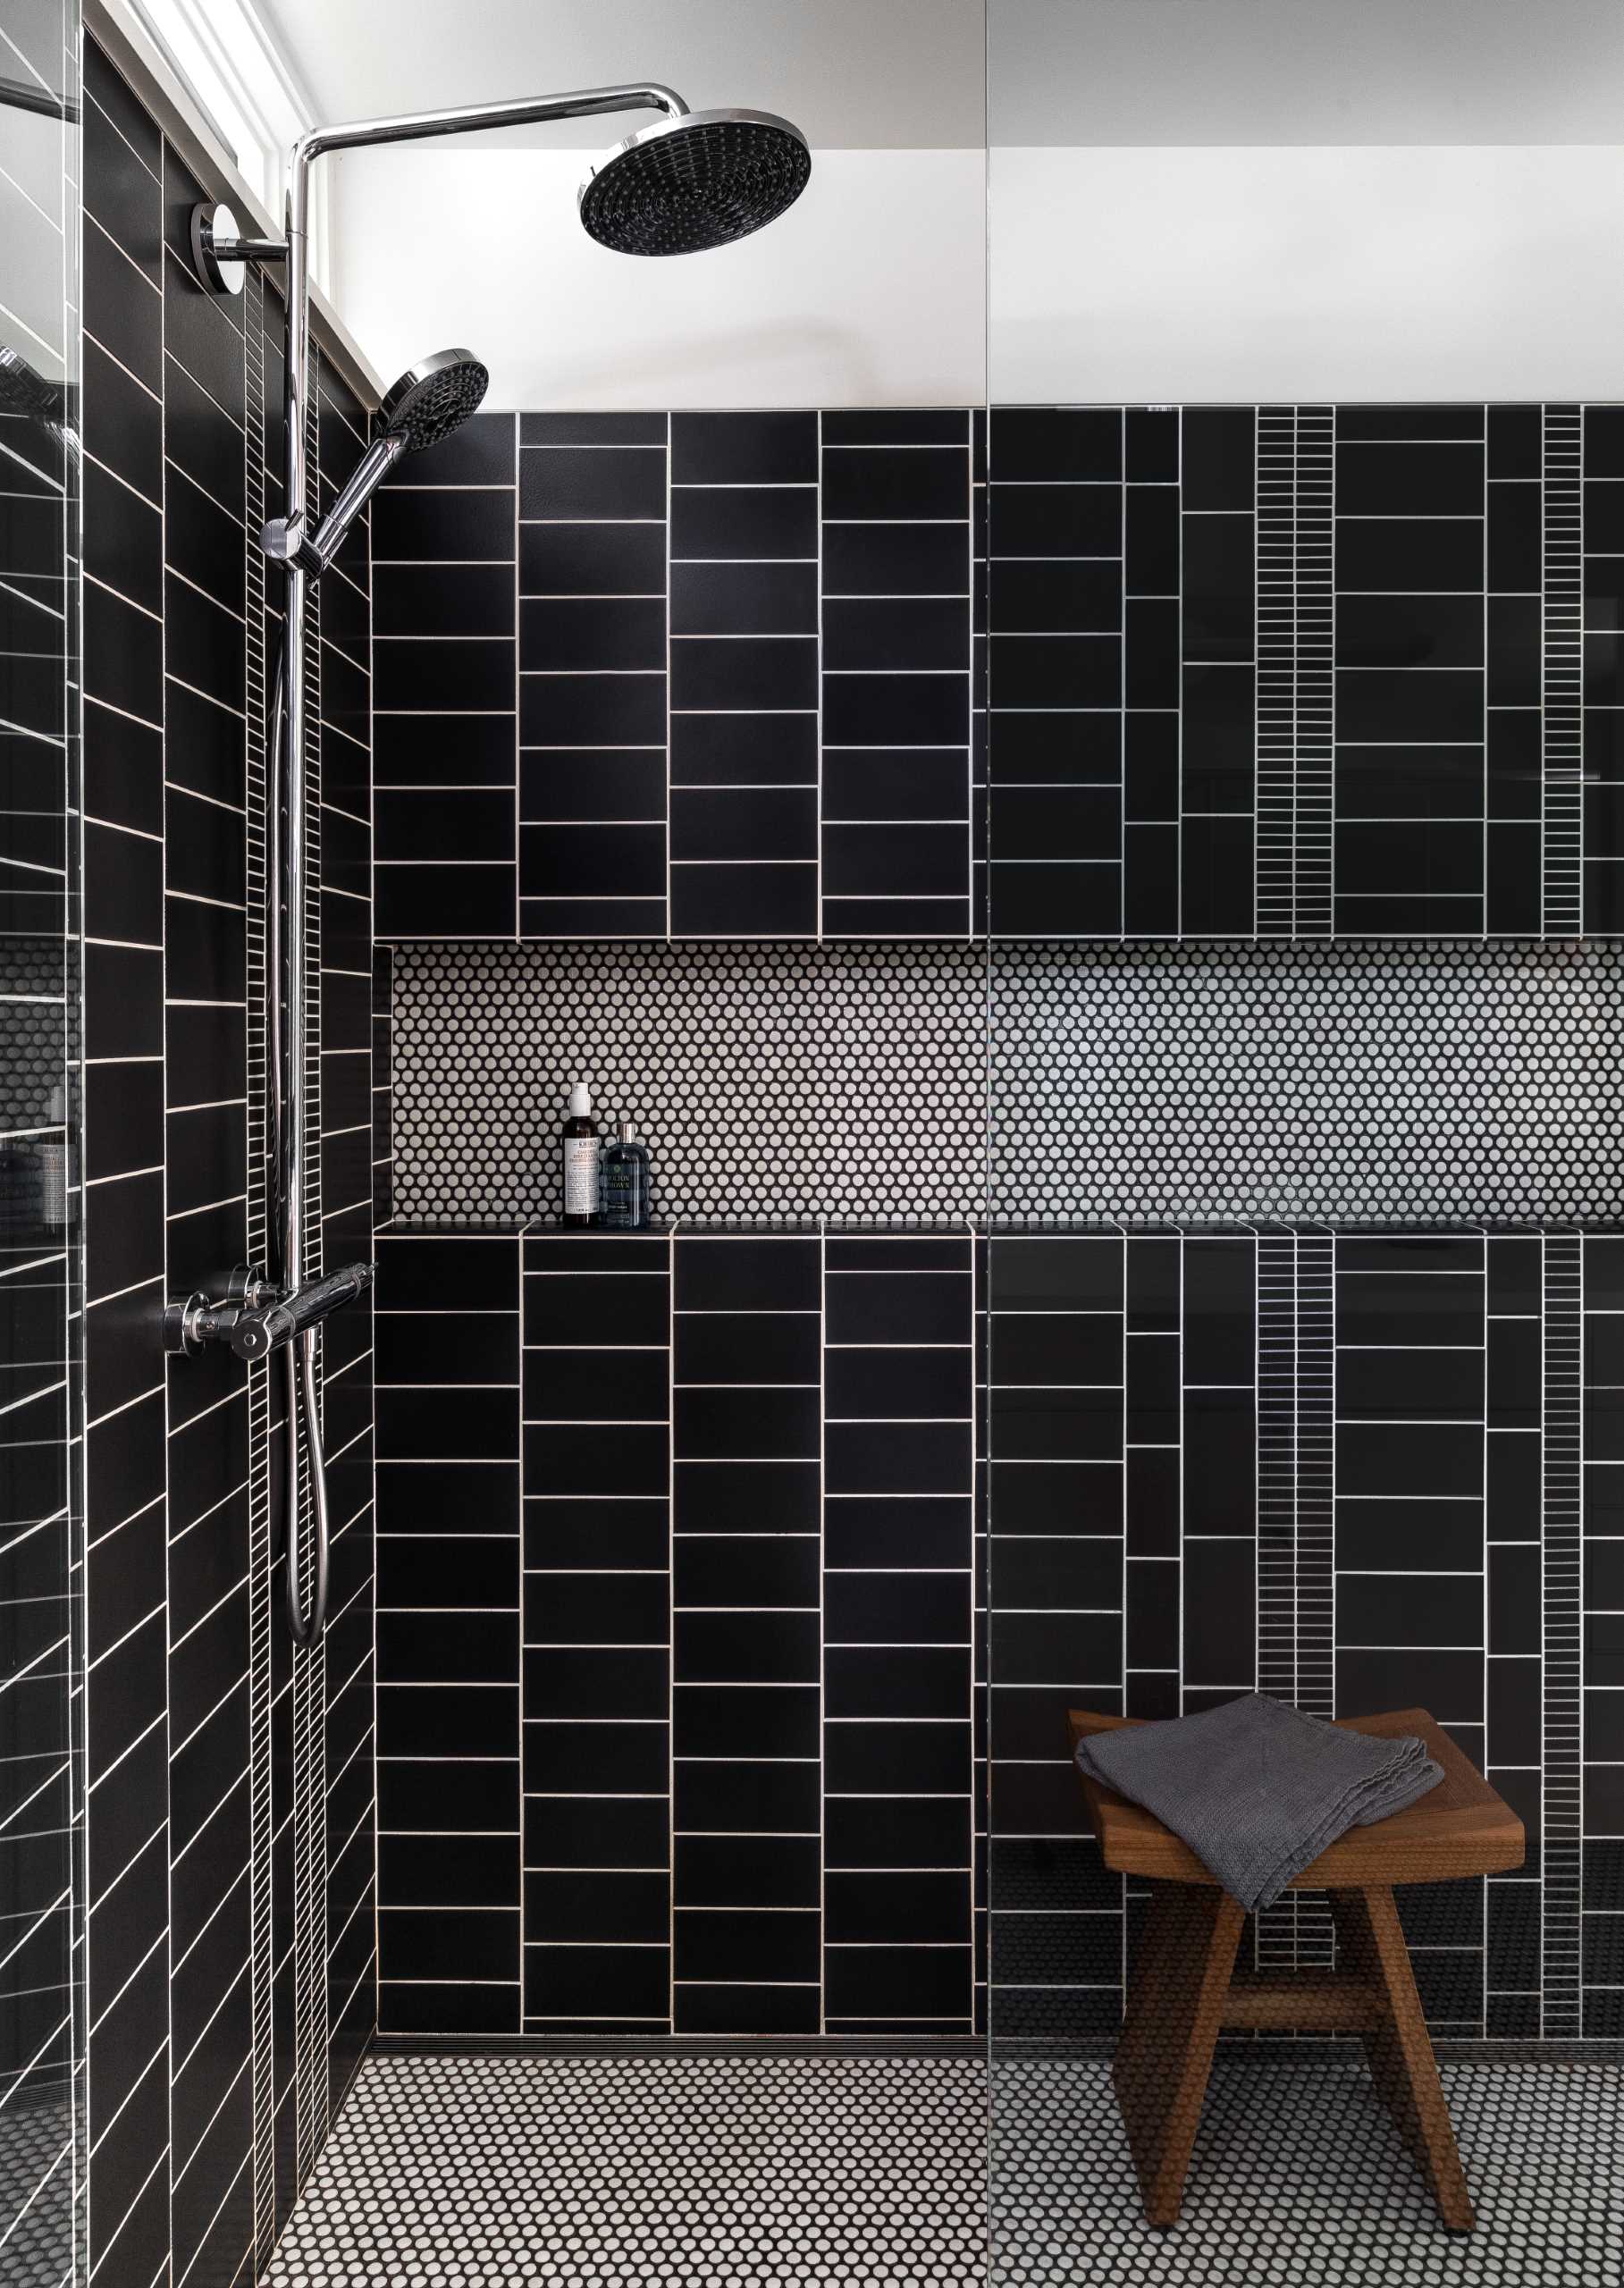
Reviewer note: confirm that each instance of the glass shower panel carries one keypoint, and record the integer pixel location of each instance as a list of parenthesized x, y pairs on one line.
[(1305, 878), (42, 2160)]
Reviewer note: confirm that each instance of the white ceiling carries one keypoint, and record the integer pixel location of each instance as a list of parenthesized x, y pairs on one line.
[(853, 74)]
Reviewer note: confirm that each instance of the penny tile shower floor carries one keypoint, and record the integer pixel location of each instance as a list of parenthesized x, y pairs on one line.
[(750, 2172)]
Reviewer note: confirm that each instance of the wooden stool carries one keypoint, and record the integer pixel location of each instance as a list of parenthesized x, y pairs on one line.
[(1183, 1991)]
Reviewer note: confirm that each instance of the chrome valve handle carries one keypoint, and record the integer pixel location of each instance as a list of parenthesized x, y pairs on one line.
[(255, 1316)]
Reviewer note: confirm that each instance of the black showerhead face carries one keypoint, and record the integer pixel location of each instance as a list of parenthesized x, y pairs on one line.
[(433, 397), (699, 180)]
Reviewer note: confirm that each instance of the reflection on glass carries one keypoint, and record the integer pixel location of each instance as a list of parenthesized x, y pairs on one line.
[(42, 2170)]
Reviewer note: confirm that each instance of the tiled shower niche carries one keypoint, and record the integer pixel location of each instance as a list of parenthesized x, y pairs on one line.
[(1336, 1082)]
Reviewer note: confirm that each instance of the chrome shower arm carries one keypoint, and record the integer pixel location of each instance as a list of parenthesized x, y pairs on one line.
[(468, 119)]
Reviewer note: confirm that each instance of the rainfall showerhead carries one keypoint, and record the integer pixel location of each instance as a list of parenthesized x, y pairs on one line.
[(701, 179), (431, 400), (434, 398)]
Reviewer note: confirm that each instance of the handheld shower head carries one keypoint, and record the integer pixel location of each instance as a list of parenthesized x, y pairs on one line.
[(698, 181), (430, 401), (434, 398)]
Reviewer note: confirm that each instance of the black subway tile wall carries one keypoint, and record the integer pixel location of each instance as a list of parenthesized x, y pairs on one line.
[(1341, 1467), (674, 1632), (1583, 1649), (43, 487), (683, 1587), (743, 665), (230, 1945), (898, 581), (444, 550), (1254, 672), (712, 669), (449, 1590), (1345, 644)]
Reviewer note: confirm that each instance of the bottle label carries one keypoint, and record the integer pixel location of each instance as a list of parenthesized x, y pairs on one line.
[(580, 1175)]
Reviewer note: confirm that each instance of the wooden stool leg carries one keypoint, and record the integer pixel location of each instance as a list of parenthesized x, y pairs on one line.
[(1165, 2054), (1401, 2062)]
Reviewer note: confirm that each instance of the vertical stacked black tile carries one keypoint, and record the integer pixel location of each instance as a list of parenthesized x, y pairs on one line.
[(980, 747), (347, 1178), (1151, 673), (743, 655), (447, 1629), (899, 1435), (1152, 1595), (747, 1676), (42, 2028), (1570, 1484), (1276, 669), (1316, 1483), (1274, 1930), (1218, 699), (593, 491), (1603, 624), (443, 549), (897, 548), (1565, 761), (1513, 630), (127, 1681), (1514, 1739), (1602, 1927), (1295, 792), (1412, 627), (596, 1687), (1313, 675), (980, 1621), (1411, 1431), (1056, 670), (1218, 1459), (1056, 1493)]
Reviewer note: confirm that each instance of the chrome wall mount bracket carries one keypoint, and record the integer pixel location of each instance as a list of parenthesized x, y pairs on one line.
[(221, 254)]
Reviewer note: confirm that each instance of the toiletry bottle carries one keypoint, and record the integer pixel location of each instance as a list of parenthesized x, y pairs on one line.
[(625, 1182), (580, 1159)]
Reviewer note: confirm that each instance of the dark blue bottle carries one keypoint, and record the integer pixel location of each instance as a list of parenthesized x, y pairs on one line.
[(625, 1182)]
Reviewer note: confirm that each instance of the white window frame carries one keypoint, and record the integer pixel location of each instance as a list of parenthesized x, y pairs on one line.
[(247, 90)]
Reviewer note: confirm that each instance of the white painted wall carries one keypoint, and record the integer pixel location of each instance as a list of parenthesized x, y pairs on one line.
[(1340, 271), (870, 291)]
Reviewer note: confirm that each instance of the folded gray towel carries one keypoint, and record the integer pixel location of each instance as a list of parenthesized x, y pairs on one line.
[(1257, 1789)]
